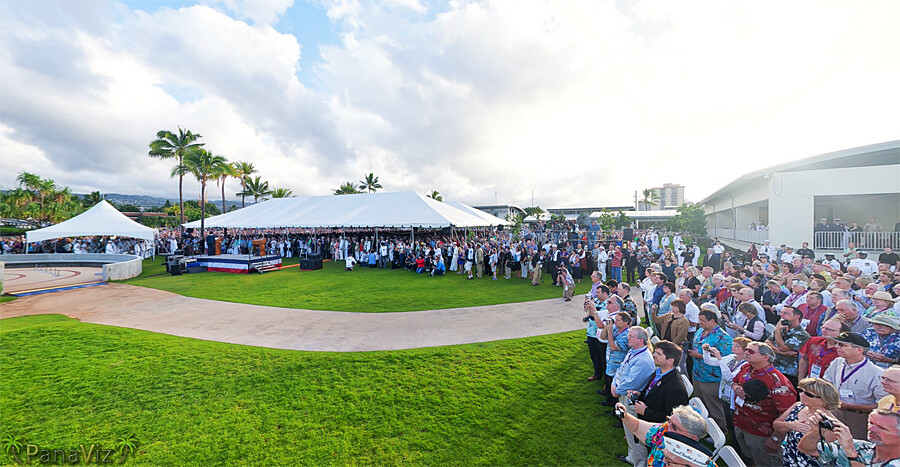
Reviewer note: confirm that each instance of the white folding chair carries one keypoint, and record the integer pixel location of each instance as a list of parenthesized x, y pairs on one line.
[(654, 339), (770, 329), (687, 385), (715, 433), (697, 404), (730, 456)]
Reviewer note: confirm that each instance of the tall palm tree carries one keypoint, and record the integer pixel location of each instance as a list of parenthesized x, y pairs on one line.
[(282, 193), (243, 170), (205, 167), (38, 187), (651, 197), (435, 195), (257, 188), (224, 171), (370, 183), (348, 188), (168, 145)]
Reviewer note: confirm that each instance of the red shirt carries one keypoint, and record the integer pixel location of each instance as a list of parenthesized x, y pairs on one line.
[(813, 316), (816, 353), (756, 418), (616, 259)]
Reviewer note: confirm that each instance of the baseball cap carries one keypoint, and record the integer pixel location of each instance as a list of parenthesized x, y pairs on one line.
[(853, 339)]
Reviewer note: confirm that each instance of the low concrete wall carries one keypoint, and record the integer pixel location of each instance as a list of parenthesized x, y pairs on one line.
[(115, 267), (123, 270)]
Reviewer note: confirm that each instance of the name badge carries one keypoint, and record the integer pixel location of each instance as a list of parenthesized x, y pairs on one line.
[(846, 393), (804, 323), (815, 371), (738, 401)]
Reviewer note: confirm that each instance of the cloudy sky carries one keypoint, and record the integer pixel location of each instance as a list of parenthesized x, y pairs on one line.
[(579, 103)]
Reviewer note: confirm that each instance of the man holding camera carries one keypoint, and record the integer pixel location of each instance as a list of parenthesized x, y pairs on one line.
[(880, 448), (596, 314), (633, 375), (663, 393), (787, 339), (754, 417), (858, 381)]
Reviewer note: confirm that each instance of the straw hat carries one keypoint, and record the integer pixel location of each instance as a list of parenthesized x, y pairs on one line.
[(882, 295)]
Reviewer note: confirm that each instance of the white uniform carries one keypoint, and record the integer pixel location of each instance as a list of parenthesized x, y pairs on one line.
[(866, 266)]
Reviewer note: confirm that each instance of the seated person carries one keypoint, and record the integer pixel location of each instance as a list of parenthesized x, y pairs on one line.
[(439, 267), (420, 265)]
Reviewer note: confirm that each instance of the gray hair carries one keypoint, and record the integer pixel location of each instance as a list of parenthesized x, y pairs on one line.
[(686, 291), (765, 350), (693, 422), (640, 334)]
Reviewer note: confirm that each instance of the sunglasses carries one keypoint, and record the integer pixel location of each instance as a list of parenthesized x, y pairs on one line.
[(809, 394), (750, 352)]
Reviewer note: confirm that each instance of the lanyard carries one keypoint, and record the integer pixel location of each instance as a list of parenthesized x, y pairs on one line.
[(844, 369), (632, 355), (750, 374), (656, 380), (822, 351), (616, 334)]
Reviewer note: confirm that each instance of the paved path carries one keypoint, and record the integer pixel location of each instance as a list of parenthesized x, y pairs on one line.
[(295, 329)]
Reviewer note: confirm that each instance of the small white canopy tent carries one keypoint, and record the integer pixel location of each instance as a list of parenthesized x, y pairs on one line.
[(102, 219), (367, 210)]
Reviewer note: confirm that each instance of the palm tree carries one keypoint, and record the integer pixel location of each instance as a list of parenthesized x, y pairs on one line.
[(205, 167), (38, 187), (282, 193), (243, 170), (435, 195), (348, 188), (224, 171), (127, 445), (92, 199), (370, 183), (168, 145), (651, 197), (256, 188)]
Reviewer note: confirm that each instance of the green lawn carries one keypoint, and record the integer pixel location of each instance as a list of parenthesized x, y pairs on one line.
[(363, 290), (186, 401)]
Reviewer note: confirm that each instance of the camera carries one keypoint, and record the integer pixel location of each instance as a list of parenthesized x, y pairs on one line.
[(632, 398), (587, 318), (620, 413), (826, 424), (785, 322)]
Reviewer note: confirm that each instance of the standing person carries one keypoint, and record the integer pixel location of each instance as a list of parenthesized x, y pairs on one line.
[(788, 338), (635, 372), (454, 260), (755, 414), (819, 351), (682, 429), (706, 377), (616, 264), (575, 264), (493, 263), (815, 395), (479, 261), (602, 258), (858, 381), (730, 366), (658, 399), (553, 263), (617, 347), (568, 284), (537, 264), (470, 261), (596, 320)]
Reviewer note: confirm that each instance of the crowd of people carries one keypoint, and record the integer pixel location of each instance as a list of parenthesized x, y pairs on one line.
[(770, 342)]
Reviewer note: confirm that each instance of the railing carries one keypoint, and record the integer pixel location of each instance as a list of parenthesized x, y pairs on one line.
[(755, 236), (863, 240)]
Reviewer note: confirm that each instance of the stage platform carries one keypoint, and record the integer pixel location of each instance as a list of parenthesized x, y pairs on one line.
[(238, 264)]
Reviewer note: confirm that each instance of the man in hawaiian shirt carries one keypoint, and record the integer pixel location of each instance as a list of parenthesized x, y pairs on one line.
[(786, 341), (880, 449), (684, 421)]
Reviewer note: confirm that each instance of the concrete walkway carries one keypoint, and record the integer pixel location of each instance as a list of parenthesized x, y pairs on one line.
[(295, 329)]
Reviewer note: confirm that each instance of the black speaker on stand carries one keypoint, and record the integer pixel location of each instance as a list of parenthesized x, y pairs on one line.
[(628, 234)]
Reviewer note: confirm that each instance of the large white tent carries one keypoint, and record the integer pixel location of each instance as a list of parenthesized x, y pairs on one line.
[(491, 219), (367, 210), (102, 219)]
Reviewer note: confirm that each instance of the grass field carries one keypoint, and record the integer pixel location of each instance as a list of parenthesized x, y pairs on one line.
[(519, 402), (363, 290)]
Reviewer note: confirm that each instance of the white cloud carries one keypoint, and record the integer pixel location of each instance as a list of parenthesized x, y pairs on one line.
[(582, 102)]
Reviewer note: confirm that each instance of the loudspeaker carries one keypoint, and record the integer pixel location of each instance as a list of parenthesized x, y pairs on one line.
[(310, 264), (628, 234)]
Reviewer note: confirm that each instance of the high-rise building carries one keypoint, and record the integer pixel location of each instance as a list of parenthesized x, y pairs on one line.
[(670, 195)]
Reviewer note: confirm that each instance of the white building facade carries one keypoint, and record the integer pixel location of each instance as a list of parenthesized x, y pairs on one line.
[(782, 203)]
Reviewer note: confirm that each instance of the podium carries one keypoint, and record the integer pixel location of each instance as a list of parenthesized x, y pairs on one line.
[(218, 246), (259, 247)]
